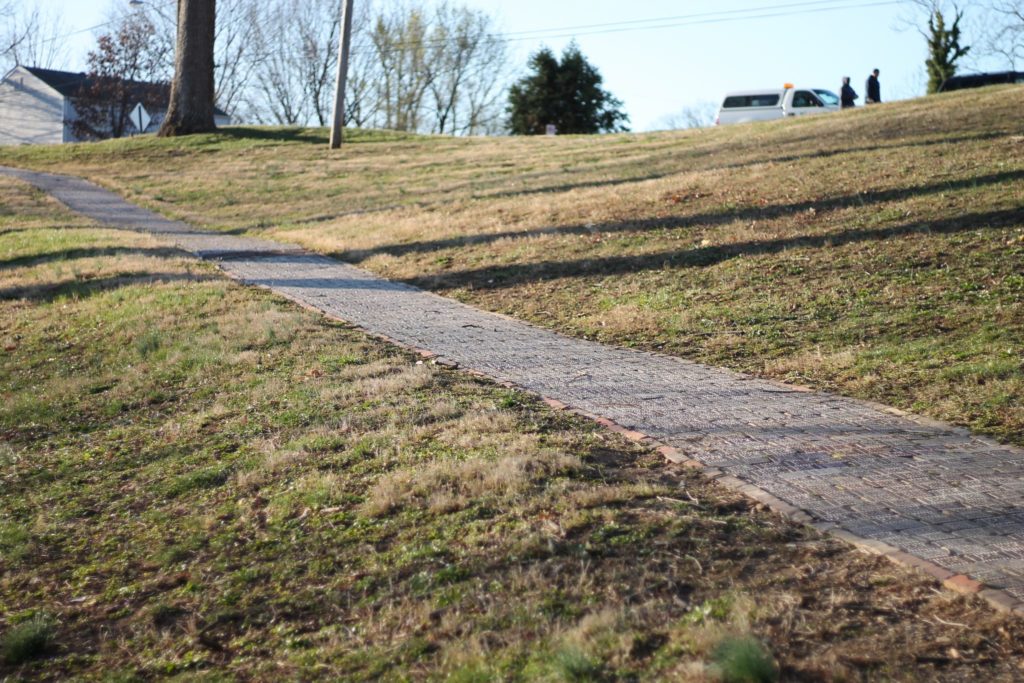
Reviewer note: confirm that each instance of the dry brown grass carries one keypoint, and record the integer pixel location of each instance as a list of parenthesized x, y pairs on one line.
[(254, 492), (451, 485)]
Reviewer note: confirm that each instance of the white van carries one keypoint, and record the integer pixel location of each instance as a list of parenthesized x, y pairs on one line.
[(744, 106)]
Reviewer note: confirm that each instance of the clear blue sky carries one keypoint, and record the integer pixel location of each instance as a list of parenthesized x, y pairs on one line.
[(702, 48)]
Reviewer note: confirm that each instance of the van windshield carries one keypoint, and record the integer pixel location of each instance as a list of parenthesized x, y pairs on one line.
[(736, 101), (828, 97)]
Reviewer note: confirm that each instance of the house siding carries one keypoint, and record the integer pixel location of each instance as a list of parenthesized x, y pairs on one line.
[(37, 107), (70, 116), (31, 112)]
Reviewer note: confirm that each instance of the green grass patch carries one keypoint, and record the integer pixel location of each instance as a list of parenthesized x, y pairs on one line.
[(204, 481), (27, 640), (816, 251), (744, 660), (573, 665)]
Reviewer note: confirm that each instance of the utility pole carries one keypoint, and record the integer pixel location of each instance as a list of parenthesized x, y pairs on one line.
[(339, 87)]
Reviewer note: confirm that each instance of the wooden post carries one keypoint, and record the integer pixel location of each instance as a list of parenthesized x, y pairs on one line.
[(338, 122)]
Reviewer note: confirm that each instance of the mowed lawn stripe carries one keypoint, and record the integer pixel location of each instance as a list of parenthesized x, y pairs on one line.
[(203, 480), (874, 253)]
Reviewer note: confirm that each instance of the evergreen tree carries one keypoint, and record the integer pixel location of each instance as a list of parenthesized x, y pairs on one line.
[(566, 93), (943, 49)]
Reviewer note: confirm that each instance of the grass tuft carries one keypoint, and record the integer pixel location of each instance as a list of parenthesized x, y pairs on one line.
[(744, 659), (15, 541), (148, 343), (576, 666), (28, 640), (209, 477)]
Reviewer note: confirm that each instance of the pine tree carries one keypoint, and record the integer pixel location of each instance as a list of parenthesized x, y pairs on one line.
[(943, 50), (566, 93)]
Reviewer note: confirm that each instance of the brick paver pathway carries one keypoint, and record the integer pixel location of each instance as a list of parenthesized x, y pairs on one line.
[(931, 490)]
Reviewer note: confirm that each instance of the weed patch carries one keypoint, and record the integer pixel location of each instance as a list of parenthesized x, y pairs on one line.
[(744, 660), (27, 640)]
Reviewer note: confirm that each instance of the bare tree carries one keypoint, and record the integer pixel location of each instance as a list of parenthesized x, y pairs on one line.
[(11, 37), (235, 45), (399, 40), (465, 66), (1005, 34), (484, 92), (192, 89), (317, 30), (698, 115), (32, 37), (235, 50), (161, 40), (278, 94), (408, 69), (296, 46), (442, 72), (121, 71)]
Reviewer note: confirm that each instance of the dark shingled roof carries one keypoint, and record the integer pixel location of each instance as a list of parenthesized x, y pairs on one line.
[(980, 80), (69, 84)]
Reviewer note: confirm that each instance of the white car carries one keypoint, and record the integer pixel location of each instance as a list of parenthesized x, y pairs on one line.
[(744, 106)]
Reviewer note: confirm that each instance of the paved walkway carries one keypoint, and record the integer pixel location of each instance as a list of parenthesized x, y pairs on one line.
[(952, 502)]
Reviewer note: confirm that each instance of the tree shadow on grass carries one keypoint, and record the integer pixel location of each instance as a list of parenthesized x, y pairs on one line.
[(316, 136), (499, 277), (89, 252), (312, 136), (848, 151), (14, 231), (82, 289), (666, 163), (770, 212), (677, 159)]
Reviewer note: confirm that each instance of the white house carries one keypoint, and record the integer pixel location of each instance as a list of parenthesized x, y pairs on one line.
[(37, 107)]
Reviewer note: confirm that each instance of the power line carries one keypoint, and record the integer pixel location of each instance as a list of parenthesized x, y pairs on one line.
[(679, 17), (723, 20), (109, 22), (654, 23), (706, 18)]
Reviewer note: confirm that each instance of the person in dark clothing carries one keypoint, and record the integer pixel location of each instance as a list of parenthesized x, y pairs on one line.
[(874, 90), (847, 94)]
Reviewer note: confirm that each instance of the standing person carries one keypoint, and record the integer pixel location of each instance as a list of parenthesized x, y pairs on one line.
[(847, 94), (874, 90)]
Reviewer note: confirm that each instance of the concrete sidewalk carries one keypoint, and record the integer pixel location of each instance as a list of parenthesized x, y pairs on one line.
[(923, 493)]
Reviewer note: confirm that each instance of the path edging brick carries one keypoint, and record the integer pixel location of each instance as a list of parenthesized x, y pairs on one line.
[(959, 583)]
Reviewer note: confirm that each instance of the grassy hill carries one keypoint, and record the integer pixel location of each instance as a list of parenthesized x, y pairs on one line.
[(201, 480), (876, 253)]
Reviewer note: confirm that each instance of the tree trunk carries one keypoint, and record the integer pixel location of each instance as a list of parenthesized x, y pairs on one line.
[(192, 90)]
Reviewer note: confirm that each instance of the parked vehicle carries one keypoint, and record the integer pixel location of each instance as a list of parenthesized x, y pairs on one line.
[(762, 105), (981, 80)]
